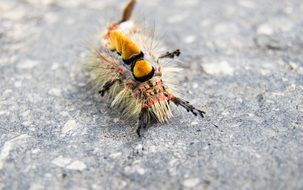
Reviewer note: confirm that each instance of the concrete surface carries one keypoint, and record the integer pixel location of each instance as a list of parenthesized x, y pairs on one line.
[(242, 64)]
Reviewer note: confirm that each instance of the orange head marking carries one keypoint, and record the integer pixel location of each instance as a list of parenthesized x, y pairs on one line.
[(143, 70)]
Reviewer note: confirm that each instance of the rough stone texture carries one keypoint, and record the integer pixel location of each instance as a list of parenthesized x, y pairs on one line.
[(242, 63)]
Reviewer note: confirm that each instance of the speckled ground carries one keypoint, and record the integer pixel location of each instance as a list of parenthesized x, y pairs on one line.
[(242, 63)]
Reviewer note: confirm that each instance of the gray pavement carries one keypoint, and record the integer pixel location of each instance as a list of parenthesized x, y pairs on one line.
[(243, 64)]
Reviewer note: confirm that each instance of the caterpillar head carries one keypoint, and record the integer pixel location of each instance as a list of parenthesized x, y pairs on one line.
[(142, 70)]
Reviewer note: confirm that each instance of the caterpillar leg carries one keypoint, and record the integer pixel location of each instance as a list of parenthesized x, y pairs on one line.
[(128, 11), (143, 121), (106, 87), (170, 55), (188, 106)]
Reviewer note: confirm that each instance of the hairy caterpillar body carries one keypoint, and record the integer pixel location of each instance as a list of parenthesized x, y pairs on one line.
[(129, 72)]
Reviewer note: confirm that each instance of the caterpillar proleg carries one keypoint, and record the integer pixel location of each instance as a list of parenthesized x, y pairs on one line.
[(130, 74)]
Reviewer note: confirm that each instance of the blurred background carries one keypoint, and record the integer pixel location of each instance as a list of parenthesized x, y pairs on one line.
[(242, 62)]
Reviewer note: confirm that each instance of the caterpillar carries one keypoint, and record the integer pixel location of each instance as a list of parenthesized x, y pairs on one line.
[(131, 74)]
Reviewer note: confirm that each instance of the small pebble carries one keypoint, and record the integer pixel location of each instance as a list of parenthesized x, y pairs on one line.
[(220, 68), (61, 161), (194, 123), (140, 170), (69, 125), (76, 165), (189, 183), (55, 66), (18, 84), (36, 186), (55, 92), (195, 85), (115, 155), (265, 29), (189, 39)]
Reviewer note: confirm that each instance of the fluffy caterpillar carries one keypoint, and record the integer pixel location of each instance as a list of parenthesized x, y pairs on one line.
[(130, 74)]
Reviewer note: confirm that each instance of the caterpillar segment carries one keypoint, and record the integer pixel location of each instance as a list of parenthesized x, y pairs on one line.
[(123, 45), (130, 75)]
